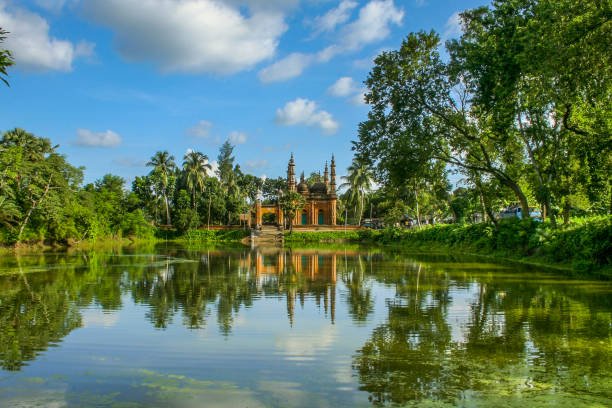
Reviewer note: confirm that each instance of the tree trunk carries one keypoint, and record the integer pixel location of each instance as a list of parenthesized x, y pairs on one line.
[(209, 204), (168, 221), (519, 194), (418, 213), (35, 204)]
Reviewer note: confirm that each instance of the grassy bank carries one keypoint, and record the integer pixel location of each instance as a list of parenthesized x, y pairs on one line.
[(584, 246), (321, 236)]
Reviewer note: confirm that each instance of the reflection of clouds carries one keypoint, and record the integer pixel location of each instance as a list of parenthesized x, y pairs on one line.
[(304, 346), (290, 394), (99, 318)]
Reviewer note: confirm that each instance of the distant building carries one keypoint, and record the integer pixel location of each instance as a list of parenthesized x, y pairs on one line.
[(321, 199)]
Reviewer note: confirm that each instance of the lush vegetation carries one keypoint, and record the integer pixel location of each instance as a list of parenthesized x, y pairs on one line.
[(521, 110), (322, 236), (585, 245), (43, 199)]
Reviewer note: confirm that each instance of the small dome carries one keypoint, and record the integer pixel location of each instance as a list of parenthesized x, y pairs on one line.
[(319, 188), (302, 187)]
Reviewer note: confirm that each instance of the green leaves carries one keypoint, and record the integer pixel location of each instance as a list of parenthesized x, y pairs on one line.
[(6, 58)]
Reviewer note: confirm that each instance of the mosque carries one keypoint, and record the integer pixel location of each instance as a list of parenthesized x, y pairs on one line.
[(321, 199)]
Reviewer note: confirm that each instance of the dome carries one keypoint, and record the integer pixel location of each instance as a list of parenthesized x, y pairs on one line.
[(319, 188), (302, 187)]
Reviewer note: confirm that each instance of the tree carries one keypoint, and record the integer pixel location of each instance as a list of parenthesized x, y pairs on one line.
[(291, 202), (40, 183), (228, 176), (6, 58), (163, 168), (358, 183), (421, 113), (536, 68), (196, 166)]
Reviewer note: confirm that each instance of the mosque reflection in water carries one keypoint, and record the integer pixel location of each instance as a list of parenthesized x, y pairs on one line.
[(412, 329), (316, 273)]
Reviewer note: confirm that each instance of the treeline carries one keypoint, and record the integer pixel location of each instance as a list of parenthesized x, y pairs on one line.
[(43, 199), (519, 106)]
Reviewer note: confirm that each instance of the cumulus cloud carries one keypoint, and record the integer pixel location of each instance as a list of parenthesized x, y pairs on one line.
[(373, 24), (306, 112), (88, 138), (32, 46), (334, 17), (452, 28), (344, 86), (192, 35), (289, 67), (237, 138), (201, 129)]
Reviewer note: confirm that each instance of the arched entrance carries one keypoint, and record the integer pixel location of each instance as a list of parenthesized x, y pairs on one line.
[(321, 218), (304, 217)]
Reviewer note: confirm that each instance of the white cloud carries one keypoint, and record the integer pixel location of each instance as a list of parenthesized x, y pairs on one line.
[(344, 86), (32, 46), (359, 97), (289, 67), (201, 129), (88, 138), (334, 17), (237, 137), (452, 28), (372, 25), (305, 112), (192, 35)]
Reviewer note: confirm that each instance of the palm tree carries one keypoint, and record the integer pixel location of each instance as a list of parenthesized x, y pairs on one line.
[(358, 183), (195, 165), (163, 167)]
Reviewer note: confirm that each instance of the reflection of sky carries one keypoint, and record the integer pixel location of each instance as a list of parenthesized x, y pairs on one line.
[(266, 359)]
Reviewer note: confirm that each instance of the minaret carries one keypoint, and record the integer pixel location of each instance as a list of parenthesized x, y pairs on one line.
[(326, 176), (291, 174), (333, 176)]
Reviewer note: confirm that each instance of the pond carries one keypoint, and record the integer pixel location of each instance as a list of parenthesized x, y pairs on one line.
[(163, 326)]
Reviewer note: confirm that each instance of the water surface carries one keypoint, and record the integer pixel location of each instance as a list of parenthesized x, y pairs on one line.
[(169, 326)]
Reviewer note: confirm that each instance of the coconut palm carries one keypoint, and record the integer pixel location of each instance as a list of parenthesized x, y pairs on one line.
[(358, 183), (163, 168), (195, 166)]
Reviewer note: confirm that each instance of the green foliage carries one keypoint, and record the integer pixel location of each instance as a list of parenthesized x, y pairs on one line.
[(6, 58), (322, 236), (585, 244)]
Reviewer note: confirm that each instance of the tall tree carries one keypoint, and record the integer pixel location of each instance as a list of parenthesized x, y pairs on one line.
[(358, 183), (421, 112), (6, 58), (228, 176), (196, 166), (163, 170)]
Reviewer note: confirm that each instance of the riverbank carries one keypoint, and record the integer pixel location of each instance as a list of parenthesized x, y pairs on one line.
[(582, 247)]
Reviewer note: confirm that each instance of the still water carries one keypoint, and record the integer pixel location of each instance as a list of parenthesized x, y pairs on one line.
[(175, 327)]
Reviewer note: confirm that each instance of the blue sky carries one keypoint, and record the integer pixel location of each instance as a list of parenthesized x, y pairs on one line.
[(113, 81)]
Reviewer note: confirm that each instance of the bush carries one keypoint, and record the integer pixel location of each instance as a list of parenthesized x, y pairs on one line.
[(586, 243), (322, 236)]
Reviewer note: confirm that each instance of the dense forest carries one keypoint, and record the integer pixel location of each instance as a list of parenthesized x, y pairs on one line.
[(518, 108)]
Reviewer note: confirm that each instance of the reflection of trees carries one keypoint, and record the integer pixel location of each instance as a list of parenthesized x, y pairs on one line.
[(360, 299), (521, 336)]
